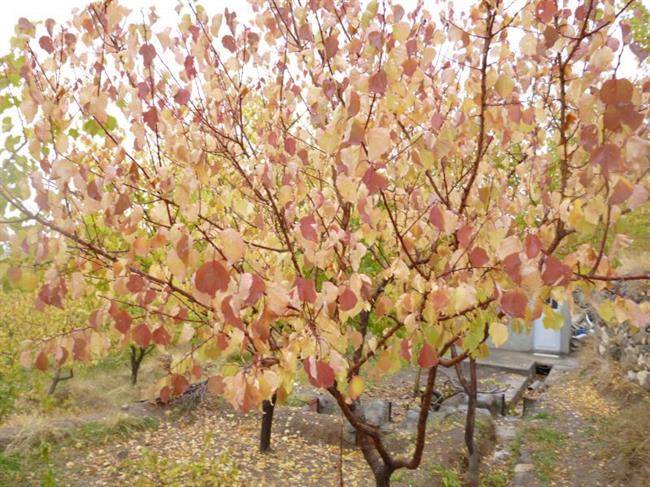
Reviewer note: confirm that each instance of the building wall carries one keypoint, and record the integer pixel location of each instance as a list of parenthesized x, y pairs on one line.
[(525, 342)]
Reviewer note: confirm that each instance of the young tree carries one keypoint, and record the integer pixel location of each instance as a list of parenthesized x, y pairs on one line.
[(328, 188)]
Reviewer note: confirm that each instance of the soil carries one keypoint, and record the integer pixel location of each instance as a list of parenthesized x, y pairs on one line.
[(304, 451)]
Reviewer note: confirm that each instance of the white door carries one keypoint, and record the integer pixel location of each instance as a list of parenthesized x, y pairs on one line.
[(544, 339)]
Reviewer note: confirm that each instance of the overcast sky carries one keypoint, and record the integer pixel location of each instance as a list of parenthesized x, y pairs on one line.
[(59, 10)]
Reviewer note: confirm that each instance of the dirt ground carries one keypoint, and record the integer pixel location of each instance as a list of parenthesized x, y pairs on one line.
[(590, 428)]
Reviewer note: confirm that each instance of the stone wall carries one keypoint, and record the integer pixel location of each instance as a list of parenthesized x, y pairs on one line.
[(630, 349)]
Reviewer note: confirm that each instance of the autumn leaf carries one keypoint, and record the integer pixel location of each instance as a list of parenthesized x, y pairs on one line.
[(211, 277), (428, 356)]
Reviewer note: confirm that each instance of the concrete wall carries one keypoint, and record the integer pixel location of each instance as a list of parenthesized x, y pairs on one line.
[(525, 342)]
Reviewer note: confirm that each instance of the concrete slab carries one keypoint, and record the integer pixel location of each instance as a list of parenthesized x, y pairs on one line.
[(525, 361)]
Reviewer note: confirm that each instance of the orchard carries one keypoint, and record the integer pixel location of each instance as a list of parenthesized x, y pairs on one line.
[(328, 190)]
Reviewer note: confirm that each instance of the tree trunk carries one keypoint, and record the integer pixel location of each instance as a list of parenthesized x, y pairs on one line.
[(472, 476), (416, 386), (380, 470), (137, 356), (267, 421), (58, 378)]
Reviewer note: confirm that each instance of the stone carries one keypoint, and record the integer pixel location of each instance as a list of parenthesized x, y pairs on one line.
[(326, 404), (501, 454), (377, 412), (643, 378), (523, 467), (412, 417), (505, 433)]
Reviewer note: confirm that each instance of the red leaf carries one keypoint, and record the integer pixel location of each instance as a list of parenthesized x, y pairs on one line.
[(616, 91), (378, 82), (546, 10), (464, 235), (165, 394), (141, 335), (478, 257), (405, 350), (216, 385), (354, 105), (182, 96), (161, 337), (95, 319), (135, 283), (179, 384), (123, 321), (79, 349), (211, 277), (533, 246), (428, 357), (347, 299), (41, 361), (622, 191), (229, 315), (190, 70), (46, 44), (290, 145), (256, 291), (148, 52), (143, 90), (308, 228), (306, 290), (512, 266), (123, 203), (320, 373), (515, 303), (150, 117), (357, 133), (374, 181), (555, 273), (437, 218), (331, 46), (608, 156), (229, 43)]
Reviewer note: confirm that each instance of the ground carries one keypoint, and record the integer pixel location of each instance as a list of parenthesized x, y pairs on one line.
[(588, 428)]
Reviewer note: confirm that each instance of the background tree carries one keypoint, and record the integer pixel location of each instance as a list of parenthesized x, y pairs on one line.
[(330, 188)]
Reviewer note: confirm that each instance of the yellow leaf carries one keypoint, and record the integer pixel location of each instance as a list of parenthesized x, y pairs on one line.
[(356, 387), (233, 244), (606, 311), (426, 157), (378, 142), (552, 319), (498, 333), (504, 85)]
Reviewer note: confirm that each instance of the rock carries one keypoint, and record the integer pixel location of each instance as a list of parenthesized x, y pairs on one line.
[(501, 454), (505, 433), (325, 404), (643, 378), (523, 467), (377, 412), (412, 417)]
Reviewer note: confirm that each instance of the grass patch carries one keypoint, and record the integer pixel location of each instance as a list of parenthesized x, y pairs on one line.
[(152, 469), (28, 461), (495, 479), (546, 442), (542, 415), (448, 476)]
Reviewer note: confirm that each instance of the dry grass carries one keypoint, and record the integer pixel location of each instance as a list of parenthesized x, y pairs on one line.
[(623, 437)]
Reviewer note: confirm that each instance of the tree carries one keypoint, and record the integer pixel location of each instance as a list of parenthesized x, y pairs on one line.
[(327, 188)]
